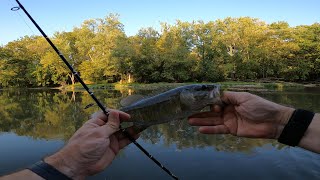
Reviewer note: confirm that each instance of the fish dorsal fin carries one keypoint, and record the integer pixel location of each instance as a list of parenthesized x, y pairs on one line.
[(130, 100)]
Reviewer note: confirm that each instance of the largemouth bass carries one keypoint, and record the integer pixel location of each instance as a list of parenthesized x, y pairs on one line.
[(175, 104)]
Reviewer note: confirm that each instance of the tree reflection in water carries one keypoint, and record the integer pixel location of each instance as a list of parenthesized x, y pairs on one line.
[(52, 114)]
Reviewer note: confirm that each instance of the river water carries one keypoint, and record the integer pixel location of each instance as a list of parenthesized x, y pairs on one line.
[(36, 123)]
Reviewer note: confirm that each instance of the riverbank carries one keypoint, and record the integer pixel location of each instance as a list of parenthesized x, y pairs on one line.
[(227, 85)]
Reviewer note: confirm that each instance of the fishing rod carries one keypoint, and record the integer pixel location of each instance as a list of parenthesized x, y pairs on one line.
[(102, 107)]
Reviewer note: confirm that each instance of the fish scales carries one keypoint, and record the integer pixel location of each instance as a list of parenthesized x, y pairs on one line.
[(155, 112), (175, 104)]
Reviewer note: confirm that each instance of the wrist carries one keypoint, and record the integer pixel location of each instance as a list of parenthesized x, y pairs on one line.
[(58, 162), (296, 127), (285, 114), (283, 117)]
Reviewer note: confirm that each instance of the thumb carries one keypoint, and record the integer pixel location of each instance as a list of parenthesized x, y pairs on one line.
[(113, 123), (229, 97)]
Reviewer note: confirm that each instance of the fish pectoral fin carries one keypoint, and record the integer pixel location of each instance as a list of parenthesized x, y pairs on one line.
[(130, 100)]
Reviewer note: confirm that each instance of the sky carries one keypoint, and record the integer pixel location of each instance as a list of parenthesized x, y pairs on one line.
[(64, 15)]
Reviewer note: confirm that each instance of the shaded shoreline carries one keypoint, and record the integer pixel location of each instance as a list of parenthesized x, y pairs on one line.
[(227, 85)]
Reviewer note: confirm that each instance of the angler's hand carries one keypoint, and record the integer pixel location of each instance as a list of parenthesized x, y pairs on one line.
[(93, 147), (245, 115)]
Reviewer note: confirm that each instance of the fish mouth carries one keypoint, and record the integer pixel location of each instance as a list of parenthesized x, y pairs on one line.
[(213, 93)]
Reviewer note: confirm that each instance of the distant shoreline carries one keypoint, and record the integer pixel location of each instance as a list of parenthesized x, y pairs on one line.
[(227, 85), (230, 85)]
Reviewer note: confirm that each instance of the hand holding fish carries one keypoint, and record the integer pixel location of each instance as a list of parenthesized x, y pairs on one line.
[(245, 115), (93, 147), (248, 115)]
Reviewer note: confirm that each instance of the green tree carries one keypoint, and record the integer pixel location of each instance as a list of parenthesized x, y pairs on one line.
[(102, 65), (18, 63), (206, 48), (123, 55), (174, 63), (307, 64), (147, 55)]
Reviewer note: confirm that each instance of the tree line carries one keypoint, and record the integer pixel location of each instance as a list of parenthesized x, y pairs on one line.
[(242, 48)]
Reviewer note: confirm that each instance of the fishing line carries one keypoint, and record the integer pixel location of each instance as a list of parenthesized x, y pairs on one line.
[(16, 9), (75, 73)]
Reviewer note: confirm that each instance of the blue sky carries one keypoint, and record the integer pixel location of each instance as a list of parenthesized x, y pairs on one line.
[(59, 15)]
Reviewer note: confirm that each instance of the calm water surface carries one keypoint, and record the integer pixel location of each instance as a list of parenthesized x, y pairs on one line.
[(36, 123)]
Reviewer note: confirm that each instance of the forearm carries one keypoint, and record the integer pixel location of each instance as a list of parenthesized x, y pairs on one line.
[(55, 161), (23, 174), (64, 165), (311, 140)]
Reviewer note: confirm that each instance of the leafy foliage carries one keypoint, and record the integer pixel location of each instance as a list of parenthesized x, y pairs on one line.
[(232, 48)]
